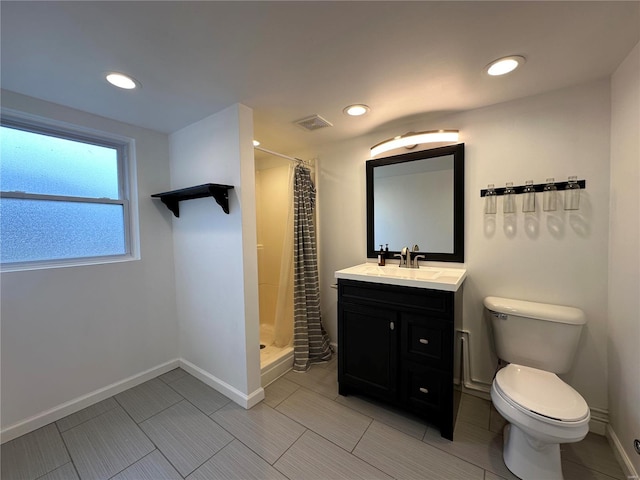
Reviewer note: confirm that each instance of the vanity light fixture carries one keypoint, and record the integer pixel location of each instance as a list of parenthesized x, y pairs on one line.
[(504, 65), (356, 110), (121, 80), (412, 139)]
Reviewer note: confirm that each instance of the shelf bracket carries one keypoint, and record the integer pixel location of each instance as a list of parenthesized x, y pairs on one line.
[(220, 194), (172, 204)]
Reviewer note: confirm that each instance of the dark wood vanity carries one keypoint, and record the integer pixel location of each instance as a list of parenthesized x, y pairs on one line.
[(396, 344), (396, 326)]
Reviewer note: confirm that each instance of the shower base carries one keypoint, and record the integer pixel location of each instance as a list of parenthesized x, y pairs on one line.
[(274, 362)]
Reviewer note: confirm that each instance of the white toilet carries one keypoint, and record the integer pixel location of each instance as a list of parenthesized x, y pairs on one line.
[(538, 340)]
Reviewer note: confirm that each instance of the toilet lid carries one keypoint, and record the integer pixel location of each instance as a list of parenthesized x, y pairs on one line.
[(542, 393)]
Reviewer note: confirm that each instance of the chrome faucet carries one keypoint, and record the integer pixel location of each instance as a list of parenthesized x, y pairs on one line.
[(406, 260), (416, 258)]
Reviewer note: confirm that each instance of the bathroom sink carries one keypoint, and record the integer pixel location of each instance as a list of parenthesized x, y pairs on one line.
[(424, 273), (435, 278)]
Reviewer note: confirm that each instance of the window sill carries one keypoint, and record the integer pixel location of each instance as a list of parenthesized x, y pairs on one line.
[(72, 262)]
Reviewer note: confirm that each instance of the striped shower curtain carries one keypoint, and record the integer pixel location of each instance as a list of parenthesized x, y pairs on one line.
[(310, 341)]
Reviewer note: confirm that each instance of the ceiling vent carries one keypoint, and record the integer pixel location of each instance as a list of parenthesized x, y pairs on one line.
[(314, 122)]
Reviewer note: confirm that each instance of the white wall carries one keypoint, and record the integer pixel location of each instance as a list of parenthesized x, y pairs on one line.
[(624, 256), (215, 253), (67, 332), (556, 258)]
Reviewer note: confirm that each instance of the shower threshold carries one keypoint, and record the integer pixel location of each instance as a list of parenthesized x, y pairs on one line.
[(274, 362)]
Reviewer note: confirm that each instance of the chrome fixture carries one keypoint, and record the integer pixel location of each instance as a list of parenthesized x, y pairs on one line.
[(404, 253), (412, 139), (407, 260)]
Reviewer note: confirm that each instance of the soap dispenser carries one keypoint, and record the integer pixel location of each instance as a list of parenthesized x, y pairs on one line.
[(381, 256)]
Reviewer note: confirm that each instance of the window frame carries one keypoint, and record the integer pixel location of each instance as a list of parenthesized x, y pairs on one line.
[(127, 186)]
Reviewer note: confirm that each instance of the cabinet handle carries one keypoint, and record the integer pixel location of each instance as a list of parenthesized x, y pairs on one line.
[(392, 325), (424, 390), (424, 341)]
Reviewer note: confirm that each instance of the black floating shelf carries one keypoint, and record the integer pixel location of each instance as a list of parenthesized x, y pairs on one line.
[(539, 187), (219, 192)]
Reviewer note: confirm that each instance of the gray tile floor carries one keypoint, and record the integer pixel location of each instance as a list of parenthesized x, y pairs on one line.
[(176, 427)]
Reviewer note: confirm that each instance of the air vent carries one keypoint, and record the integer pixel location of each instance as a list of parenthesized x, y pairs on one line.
[(314, 122)]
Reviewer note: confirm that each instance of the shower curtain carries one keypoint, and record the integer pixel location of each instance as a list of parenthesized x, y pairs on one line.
[(310, 340)]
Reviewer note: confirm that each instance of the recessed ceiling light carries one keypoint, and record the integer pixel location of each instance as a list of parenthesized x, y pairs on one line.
[(356, 110), (504, 65), (122, 81)]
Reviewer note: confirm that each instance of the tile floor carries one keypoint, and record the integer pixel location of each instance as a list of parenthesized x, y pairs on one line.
[(175, 427)]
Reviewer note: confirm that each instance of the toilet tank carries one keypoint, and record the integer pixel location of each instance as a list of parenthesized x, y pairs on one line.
[(537, 335)]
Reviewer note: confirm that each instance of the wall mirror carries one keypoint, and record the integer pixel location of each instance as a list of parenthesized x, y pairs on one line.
[(417, 199)]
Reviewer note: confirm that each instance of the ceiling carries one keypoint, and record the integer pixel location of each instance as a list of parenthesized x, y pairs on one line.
[(290, 60)]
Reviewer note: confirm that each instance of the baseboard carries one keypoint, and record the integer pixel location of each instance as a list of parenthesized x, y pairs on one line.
[(242, 399), (60, 411), (599, 420), (77, 404), (621, 455)]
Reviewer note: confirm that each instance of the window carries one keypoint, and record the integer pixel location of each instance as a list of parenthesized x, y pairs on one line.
[(64, 197)]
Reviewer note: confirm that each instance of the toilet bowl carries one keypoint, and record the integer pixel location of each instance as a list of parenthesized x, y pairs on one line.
[(542, 410)]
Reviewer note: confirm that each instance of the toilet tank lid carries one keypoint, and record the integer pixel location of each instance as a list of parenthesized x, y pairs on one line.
[(539, 311)]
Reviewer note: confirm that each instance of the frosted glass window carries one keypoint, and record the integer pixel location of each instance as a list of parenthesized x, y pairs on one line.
[(34, 230), (38, 163), (62, 197)]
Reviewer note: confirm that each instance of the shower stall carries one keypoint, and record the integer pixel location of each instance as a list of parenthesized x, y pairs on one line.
[(274, 218)]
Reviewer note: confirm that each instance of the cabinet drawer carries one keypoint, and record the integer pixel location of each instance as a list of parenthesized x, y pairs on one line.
[(433, 301), (425, 388), (427, 340)]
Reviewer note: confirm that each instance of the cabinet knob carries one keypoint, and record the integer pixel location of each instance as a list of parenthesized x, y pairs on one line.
[(424, 390), (424, 341), (392, 326)]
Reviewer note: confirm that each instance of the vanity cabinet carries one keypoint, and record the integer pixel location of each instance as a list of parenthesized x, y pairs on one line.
[(396, 344)]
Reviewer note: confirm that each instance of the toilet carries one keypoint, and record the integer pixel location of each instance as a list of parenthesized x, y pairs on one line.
[(538, 341)]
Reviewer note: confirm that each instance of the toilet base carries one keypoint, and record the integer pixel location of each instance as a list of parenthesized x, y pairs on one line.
[(527, 461)]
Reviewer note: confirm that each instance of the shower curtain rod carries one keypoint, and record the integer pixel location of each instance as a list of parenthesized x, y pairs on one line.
[(293, 159)]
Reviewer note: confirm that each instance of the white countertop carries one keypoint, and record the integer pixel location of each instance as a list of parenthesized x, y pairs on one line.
[(435, 278)]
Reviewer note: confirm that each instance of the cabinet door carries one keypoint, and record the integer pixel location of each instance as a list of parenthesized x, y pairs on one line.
[(367, 350)]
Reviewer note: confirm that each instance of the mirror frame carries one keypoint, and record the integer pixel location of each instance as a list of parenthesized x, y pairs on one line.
[(458, 200)]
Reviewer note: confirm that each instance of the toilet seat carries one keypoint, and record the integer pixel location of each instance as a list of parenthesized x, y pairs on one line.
[(541, 393)]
